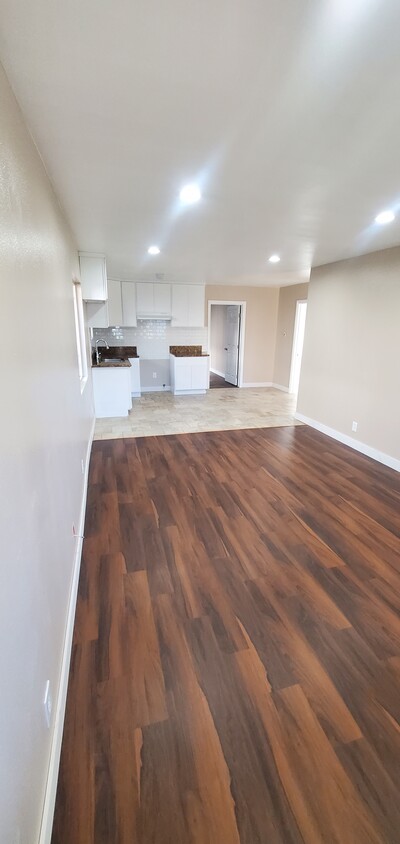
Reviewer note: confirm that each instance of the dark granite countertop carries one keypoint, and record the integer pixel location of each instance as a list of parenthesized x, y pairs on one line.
[(115, 364), (119, 355), (187, 352)]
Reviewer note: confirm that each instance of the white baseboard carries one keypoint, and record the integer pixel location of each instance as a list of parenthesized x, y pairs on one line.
[(217, 372), (280, 387), (257, 384), (156, 389), (368, 450), (61, 699)]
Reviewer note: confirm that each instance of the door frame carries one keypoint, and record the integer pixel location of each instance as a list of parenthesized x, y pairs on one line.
[(242, 330), (294, 343)]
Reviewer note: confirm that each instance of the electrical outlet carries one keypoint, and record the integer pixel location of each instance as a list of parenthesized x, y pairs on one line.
[(154, 375), (354, 426), (48, 703)]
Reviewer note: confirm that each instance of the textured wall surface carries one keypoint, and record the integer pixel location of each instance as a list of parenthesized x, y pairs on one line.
[(44, 429), (350, 369)]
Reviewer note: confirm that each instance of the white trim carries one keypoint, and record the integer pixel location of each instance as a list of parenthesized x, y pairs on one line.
[(280, 387), (258, 384), (156, 389), (243, 304), (217, 372), (190, 392), (55, 751), (368, 450)]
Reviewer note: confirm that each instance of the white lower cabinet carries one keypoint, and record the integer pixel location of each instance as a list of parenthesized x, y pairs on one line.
[(189, 375), (135, 377), (112, 391)]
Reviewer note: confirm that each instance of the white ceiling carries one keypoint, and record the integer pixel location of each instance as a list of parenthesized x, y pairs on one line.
[(285, 112)]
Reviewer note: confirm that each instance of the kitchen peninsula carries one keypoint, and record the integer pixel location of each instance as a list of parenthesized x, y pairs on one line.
[(116, 379), (189, 370)]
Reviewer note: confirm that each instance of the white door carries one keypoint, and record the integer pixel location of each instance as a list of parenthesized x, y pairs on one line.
[(232, 333), (297, 349)]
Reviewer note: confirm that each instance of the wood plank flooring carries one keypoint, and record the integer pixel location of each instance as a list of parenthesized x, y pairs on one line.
[(235, 674)]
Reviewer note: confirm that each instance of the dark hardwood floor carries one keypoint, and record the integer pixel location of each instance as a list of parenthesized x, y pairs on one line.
[(216, 381), (235, 671)]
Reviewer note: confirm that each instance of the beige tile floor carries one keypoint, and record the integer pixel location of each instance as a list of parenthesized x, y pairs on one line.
[(218, 410)]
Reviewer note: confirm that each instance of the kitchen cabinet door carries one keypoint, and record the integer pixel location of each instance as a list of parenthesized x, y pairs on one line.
[(183, 375), (144, 298), (97, 314), (180, 305), (162, 299), (199, 379), (196, 305), (128, 291), (114, 303), (93, 274)]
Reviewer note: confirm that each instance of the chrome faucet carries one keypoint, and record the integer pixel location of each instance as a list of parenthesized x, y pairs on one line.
[(100, 340)]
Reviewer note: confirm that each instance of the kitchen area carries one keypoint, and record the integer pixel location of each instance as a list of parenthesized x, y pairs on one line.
[(146, 337)]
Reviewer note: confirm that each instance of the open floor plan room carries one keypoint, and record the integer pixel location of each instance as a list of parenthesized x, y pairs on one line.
[(235, 670)]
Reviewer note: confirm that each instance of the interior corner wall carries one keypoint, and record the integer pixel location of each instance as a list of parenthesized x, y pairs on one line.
[(350, 369), (45, 428), (288, 297), (260, 329)]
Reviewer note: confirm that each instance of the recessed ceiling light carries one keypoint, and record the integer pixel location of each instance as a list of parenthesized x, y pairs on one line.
[(153, 250), (190, 194), (384, 217), (274, 259)]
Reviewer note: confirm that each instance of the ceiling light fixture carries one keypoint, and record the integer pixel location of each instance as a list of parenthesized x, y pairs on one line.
[(274, 259), (153, 250), (384, 217), (190, 194)]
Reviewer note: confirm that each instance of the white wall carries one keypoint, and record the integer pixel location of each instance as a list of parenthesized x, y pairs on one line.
[(260, 331), (351, 359), (45, 425)]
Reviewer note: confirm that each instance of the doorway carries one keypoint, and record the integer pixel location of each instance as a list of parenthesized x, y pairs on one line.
[(298, 343), (225, 342)]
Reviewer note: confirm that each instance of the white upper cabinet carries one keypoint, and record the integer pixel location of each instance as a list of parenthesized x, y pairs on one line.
[(180, 304), (144, 298), (162, 299), (188, 305), (114, 303), (153, 299), (97, 315), (93, 277), (196, 305), (128, 290)]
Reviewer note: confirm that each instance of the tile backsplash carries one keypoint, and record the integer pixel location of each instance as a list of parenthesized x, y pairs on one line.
[(153, 337)]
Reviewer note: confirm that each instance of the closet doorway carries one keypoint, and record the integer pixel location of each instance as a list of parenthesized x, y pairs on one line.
[(226, 342)]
